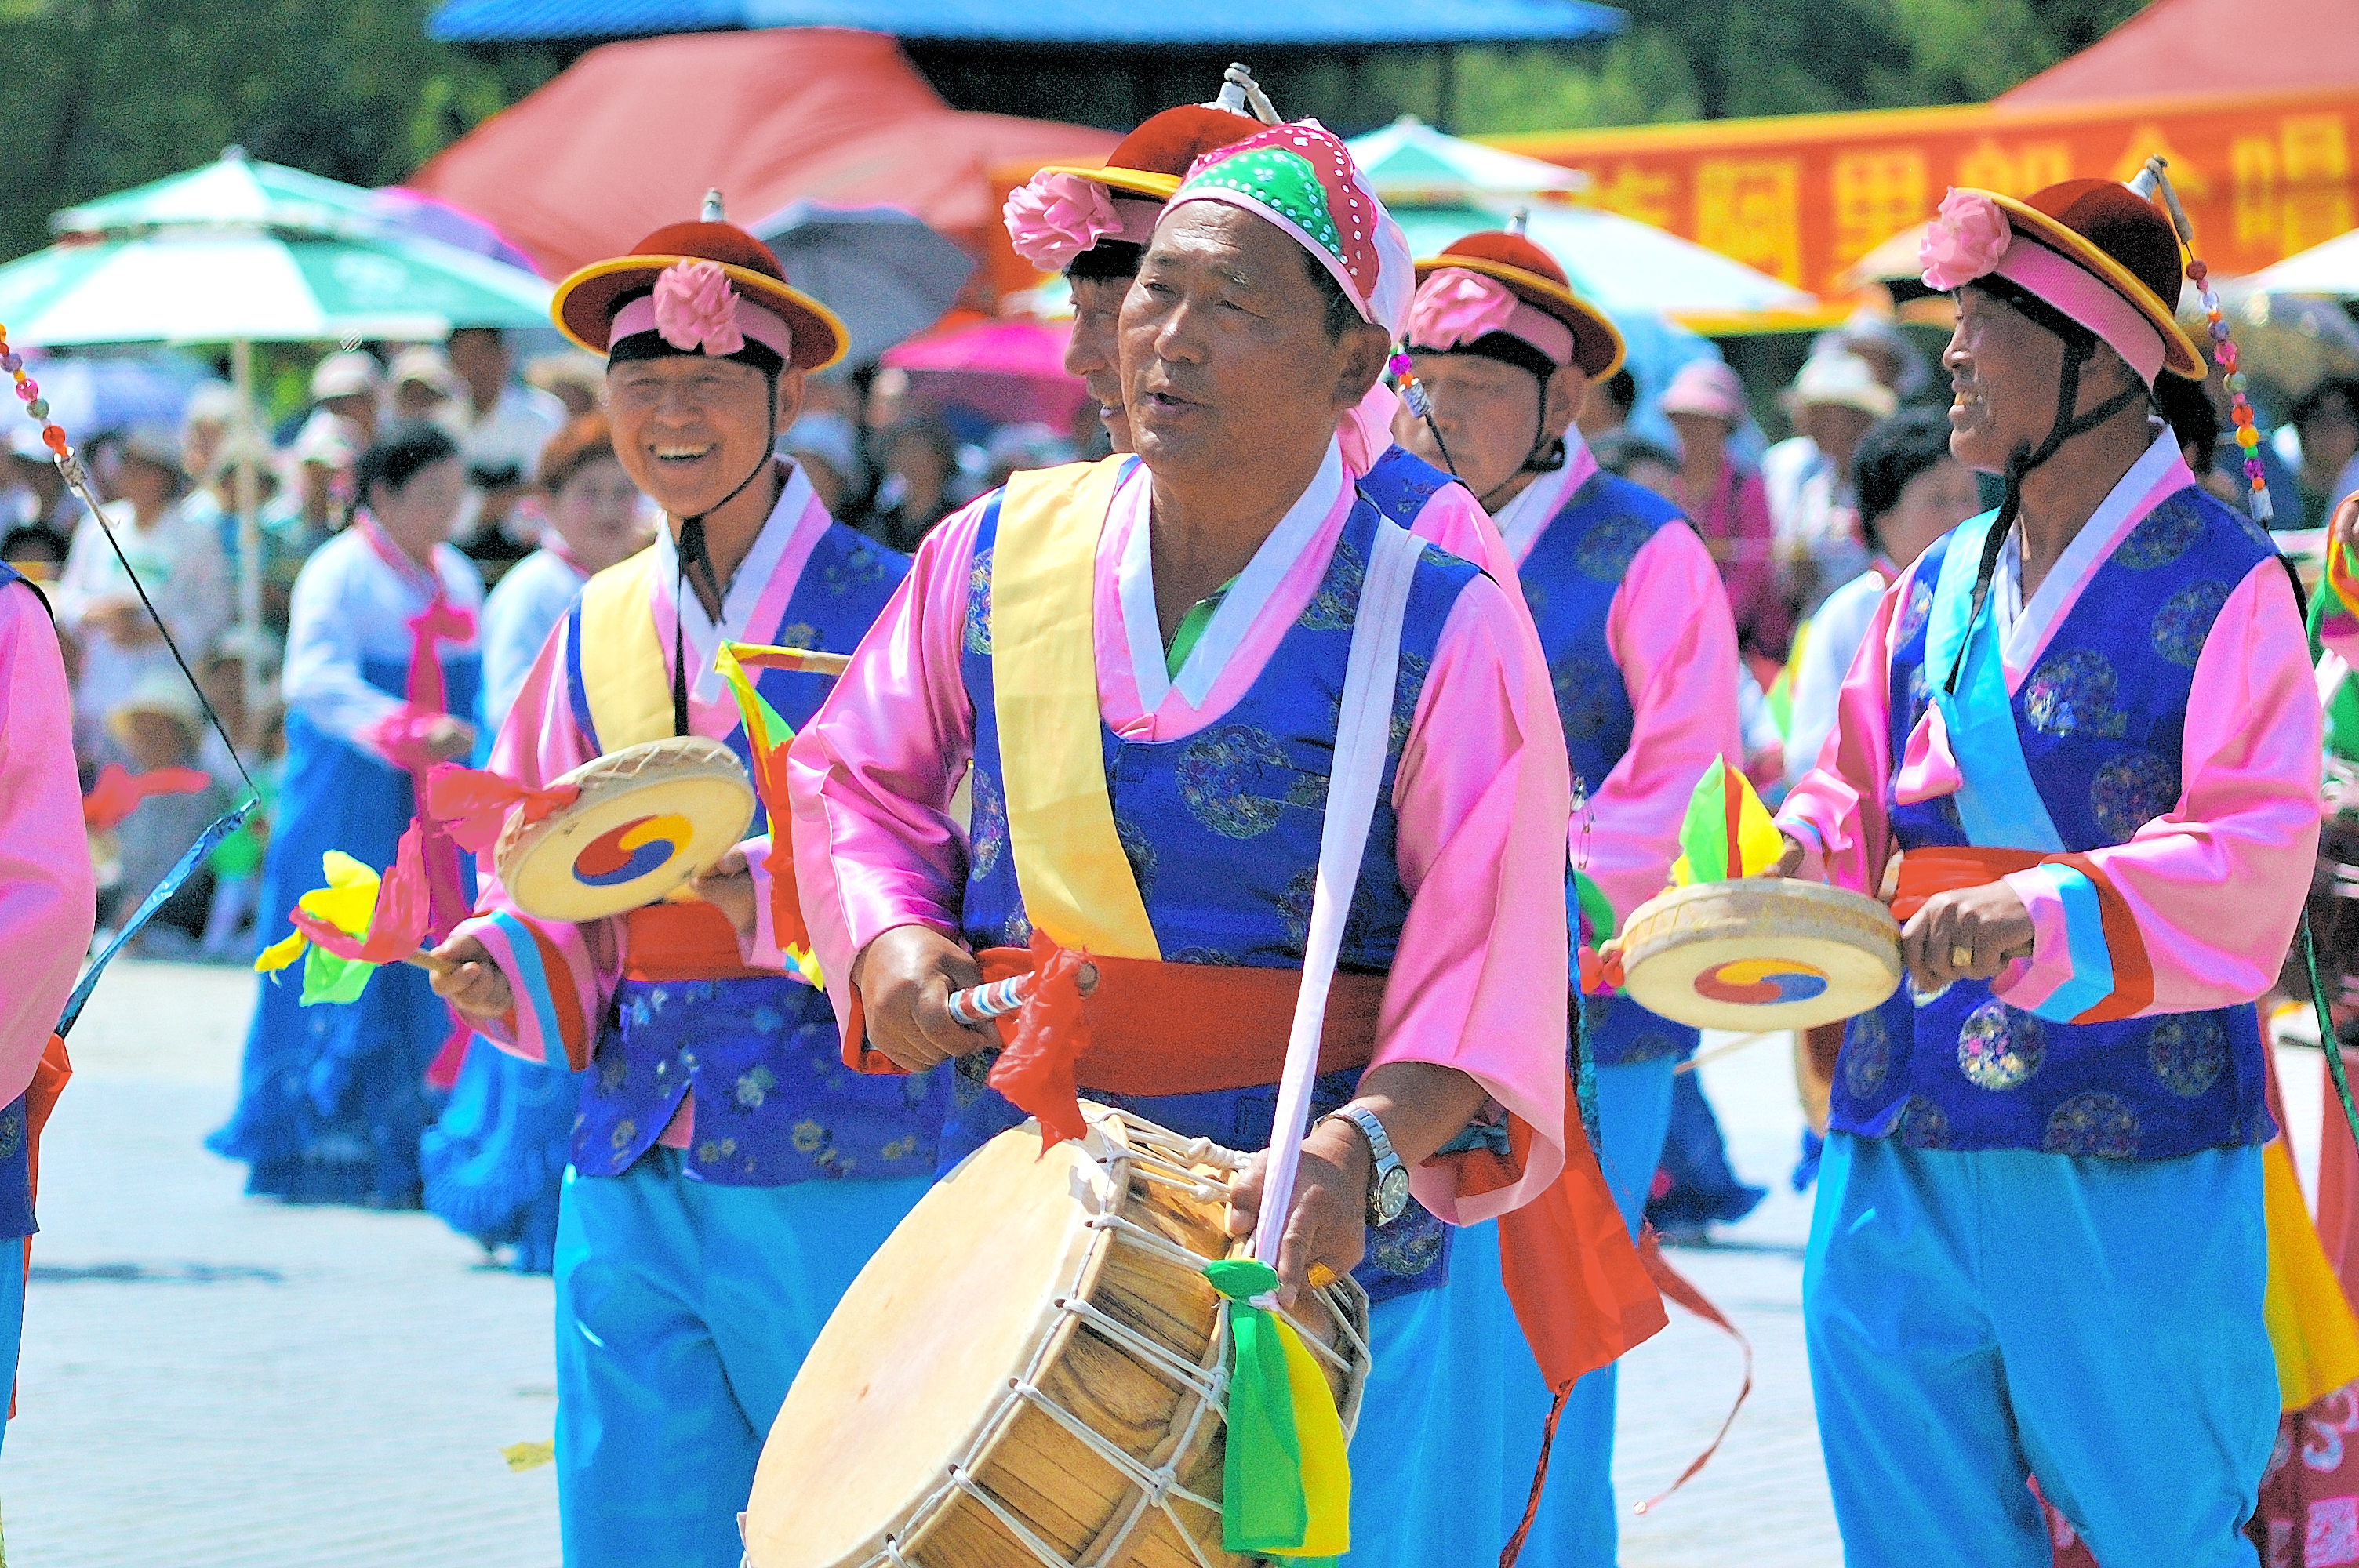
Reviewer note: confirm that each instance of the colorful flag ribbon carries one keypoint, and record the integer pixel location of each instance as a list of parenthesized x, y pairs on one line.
[(767, 735), (346, 931), (1286, 1486), (1727, 832), (1036, 1072)]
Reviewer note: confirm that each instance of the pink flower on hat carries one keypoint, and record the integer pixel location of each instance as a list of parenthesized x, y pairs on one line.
[(1965, 240), (695, 307), (1053, 218), (1456, 306)]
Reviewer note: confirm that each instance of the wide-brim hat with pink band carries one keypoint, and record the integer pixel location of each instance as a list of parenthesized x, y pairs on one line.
[(2096, 251), (1067, 208), (706, 287), (1459, 297)]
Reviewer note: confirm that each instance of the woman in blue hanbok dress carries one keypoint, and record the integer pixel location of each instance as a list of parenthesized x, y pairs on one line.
[(381, 663)]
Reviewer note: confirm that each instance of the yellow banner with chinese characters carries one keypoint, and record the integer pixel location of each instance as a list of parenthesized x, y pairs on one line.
[(1803, 197)]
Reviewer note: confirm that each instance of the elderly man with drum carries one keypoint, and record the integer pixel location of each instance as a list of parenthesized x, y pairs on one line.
[(1642, 653), (2085, 725), (1139, 663), (729, 1177)]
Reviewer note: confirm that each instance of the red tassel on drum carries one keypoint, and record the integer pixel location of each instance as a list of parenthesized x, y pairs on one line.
[(1036, 1072), (473, 804)]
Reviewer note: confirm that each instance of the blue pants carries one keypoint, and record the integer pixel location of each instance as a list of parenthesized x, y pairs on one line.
[(1976, 1318), (684, 1310), (1450, 1432), (12, 1322)]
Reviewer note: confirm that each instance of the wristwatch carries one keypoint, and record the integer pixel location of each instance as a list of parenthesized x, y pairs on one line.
[(1388, 1184)]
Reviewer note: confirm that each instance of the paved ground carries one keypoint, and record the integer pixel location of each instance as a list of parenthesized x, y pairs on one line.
[(212, 1382)]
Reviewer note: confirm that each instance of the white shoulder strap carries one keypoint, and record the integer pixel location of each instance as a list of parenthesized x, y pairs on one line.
[(1362, 738)]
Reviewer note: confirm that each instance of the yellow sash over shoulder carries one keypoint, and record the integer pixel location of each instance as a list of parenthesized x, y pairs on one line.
[(625, 677), (1077, 885)]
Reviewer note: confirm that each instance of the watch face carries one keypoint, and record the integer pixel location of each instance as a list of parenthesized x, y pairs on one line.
[(1391, 1195)]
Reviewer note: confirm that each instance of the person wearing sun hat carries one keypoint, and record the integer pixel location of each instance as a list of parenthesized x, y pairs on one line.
[(1642, 653), (1139, 663), (1093, 223), (2087, 723), (727, 1178)]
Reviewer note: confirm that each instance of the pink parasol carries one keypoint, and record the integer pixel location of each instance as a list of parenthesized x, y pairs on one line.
[(1009, 372)]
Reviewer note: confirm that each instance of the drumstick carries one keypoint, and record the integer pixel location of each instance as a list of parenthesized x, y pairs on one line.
[(431, 961), (978, 1005)]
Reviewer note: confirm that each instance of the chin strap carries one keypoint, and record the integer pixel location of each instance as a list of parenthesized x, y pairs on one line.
[(2079, 346), (693, 551)]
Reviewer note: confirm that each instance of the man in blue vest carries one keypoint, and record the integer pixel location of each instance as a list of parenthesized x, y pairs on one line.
[(1642, 652)]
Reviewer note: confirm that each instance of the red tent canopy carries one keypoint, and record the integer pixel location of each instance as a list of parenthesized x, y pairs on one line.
[(2203, 48), (632, 135)]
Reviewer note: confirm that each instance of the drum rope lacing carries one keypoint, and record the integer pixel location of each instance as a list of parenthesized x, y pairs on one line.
[(1170, 1162)]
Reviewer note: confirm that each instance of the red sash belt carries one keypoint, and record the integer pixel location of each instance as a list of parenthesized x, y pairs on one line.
[(1949, 868), (1185, 1029), (690, 940)]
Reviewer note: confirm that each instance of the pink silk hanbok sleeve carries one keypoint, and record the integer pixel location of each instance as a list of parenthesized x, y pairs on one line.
[(561, 974), (1673, 636), (872, 776), (1837, 813), (47, 899), (2215, 884), (1480, 797)]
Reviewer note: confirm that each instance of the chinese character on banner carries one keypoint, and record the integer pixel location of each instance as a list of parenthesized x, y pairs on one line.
[(1876, 195), (1633, 192), (2317, 172), (1751, 209)]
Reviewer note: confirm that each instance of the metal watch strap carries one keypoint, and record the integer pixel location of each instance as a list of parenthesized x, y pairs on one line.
[(1380, 1149)]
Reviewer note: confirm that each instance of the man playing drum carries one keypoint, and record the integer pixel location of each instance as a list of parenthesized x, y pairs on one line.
[(1093, 225), (1141, 660), (2086, 724), (729, 1177), (1641, 650)]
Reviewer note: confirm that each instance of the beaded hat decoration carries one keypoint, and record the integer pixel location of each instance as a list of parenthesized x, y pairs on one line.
[(1301, 178), (2151, 179)]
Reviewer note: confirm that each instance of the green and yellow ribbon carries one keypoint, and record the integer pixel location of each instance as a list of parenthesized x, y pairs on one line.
[(1286, 1489), (348, 903)]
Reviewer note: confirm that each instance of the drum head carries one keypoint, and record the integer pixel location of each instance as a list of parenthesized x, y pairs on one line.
[(916, 1363), (1760, 954), (650, 818)]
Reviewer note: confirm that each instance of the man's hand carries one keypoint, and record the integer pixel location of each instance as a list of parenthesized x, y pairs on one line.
[(1969, 935), (729, 887), (1789, 863), (446, 738), (473, 985), (905, 979), (1329, 1222), (2344, 528)]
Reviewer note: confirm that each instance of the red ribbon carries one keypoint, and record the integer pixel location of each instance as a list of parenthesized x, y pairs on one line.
[(117, 792), (1036, 1072), (474, 804)]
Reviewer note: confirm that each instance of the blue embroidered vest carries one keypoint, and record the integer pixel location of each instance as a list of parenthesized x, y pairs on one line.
[(1569, 578), (2101, 718), (1401, 484), (16, 1147), (1222, 830), (775, 1104)]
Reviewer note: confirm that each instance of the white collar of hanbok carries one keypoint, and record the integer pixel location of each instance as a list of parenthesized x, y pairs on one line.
[(1135, 575), (1524, 519), (2023, 628), (798, 510)]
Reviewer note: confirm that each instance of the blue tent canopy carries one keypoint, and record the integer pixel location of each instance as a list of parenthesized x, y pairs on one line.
[(1049, 23)]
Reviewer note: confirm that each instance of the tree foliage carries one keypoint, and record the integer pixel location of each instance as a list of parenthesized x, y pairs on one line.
[(1685, 60), (109, 93)]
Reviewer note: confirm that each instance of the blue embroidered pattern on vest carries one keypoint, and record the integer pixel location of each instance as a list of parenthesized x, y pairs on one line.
[(15, 1174), (1401, 484), (2101, 716), (1569, 580), (773, 1102), (1222, 830)]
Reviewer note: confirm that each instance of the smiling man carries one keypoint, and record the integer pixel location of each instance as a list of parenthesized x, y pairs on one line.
[(1142, 661), (728, 1177), (2086, 724)]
